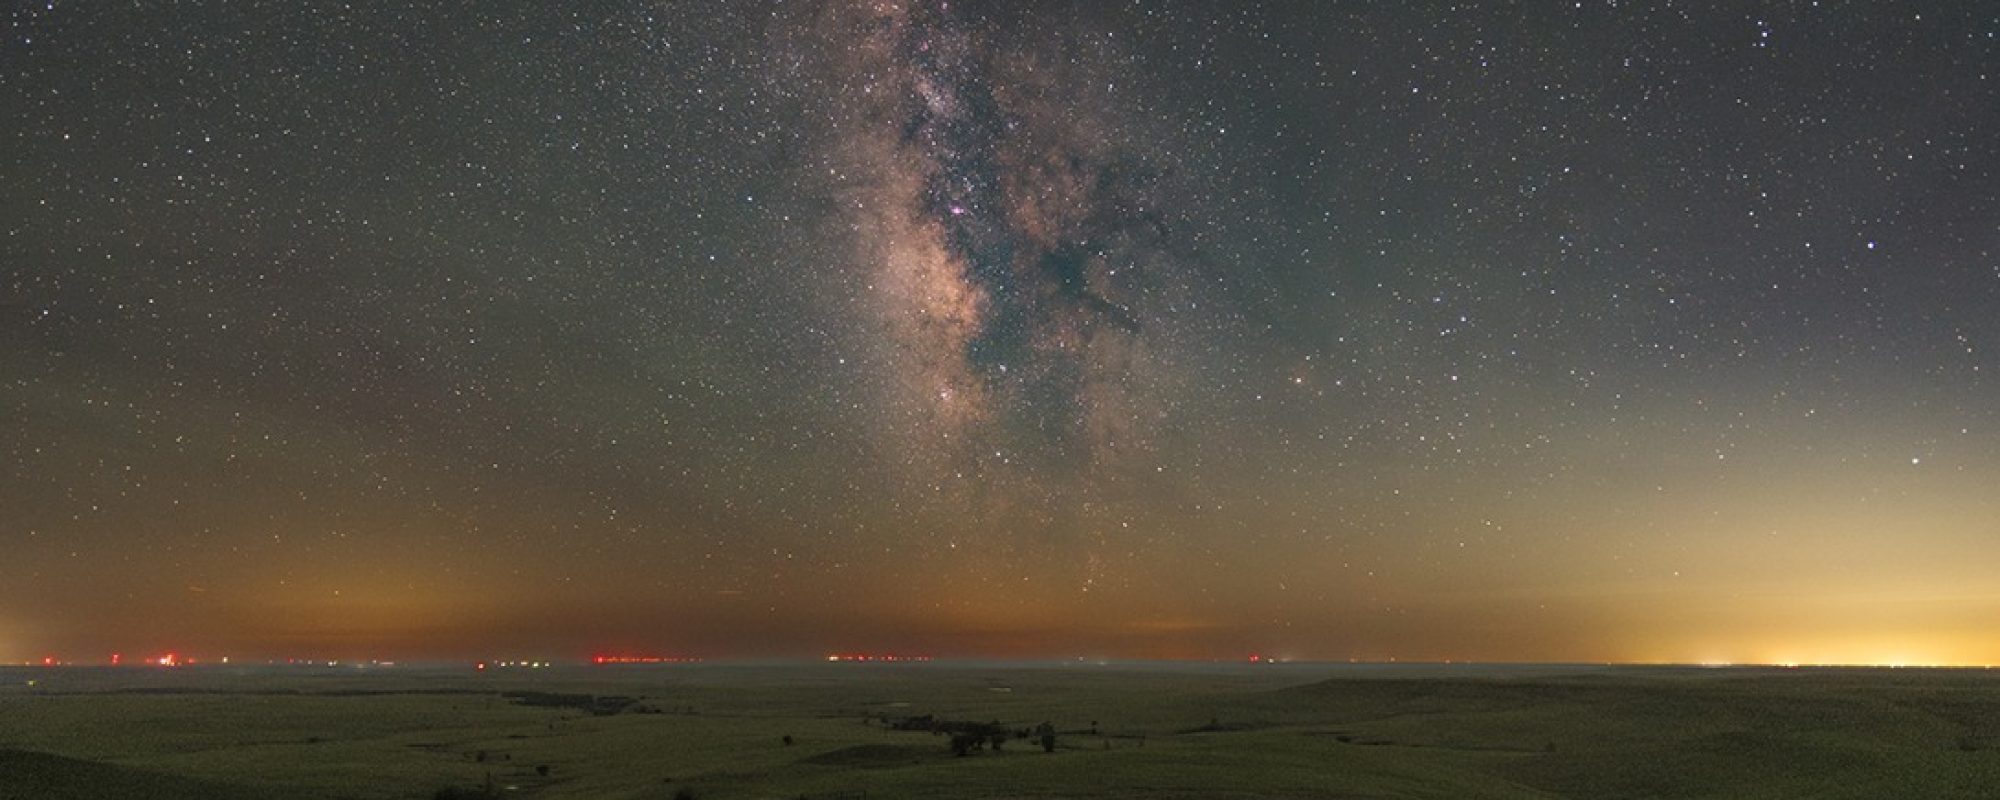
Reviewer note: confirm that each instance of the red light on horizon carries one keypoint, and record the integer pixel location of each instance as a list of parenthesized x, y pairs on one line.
[(117, 658)]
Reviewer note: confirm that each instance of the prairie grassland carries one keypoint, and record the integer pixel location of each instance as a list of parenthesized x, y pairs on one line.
[(1125, 731)]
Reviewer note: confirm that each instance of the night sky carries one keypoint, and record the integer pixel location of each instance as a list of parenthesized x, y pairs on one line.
[(1603, 331)]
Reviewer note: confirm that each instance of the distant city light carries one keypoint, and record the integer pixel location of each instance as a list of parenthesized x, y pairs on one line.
[(860, 657), (631, 659), (514, 664)]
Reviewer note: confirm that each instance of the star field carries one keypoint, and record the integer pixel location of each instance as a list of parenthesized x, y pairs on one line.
[(1592, 331)]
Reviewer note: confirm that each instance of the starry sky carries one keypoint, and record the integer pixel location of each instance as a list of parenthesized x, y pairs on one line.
[(1598, 331)]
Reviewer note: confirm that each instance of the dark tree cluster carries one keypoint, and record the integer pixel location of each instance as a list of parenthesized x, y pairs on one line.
[(967, 737), (602, 706)]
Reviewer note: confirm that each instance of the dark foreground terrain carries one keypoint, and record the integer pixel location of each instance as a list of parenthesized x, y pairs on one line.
[(888, 731)]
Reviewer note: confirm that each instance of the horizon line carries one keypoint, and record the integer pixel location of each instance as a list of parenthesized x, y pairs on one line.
[(898, 660)]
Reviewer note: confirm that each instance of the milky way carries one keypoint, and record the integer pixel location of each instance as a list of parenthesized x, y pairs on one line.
[(1005, 199)]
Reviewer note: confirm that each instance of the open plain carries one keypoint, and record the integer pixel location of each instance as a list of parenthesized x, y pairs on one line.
[(886, 731)]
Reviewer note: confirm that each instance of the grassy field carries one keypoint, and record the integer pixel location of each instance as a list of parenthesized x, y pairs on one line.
[(1131, 731)]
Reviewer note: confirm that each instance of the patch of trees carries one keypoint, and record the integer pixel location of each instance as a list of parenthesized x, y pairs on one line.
[(1216, 725), (602, 706), (968, 737)]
